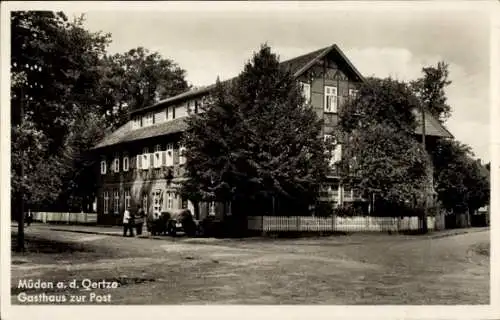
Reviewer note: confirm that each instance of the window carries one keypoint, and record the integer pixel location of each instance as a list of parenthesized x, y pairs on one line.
[(191, 107), (337, 153), (157, 201), (329, 139), (116, 201), (170, 200), (333, 149), (170, 155), (136, 122), (145, 202), (211, 209), (127, 198), (306, 92), (116, 163), (157, 156), (330, 99), (145, 159), (103, 166), (126, 163), (139, 161), (353, 93), (148, 119), (183, 204), (106, 202), (182, 157)]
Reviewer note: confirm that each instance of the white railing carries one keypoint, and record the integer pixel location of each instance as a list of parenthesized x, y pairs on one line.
[(341, 224), (65, 217)]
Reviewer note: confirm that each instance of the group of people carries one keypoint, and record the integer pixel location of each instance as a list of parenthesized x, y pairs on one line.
[(133, 220)]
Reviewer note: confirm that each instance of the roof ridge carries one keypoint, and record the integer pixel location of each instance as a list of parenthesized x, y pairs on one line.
[(202, 89)]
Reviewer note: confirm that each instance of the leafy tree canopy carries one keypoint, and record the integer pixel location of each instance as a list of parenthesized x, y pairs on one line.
[(462, 182), (72, 94), (137, 79), (381, 101), (380, 125), (256, 140), (431, 90)]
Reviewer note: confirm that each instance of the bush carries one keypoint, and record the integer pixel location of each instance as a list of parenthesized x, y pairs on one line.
[(347, 211), (323, 209), (211, 227)]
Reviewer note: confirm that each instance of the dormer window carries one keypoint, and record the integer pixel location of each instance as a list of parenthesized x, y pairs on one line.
[(148, 119), (136, 122)]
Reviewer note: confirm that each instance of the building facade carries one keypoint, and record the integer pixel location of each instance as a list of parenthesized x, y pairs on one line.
[(142, 162)]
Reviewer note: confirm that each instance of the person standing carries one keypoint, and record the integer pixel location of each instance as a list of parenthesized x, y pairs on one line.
[(139, 223), (29, 218), (128, 223)]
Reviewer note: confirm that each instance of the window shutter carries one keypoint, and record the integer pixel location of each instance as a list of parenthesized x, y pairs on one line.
[(139, 161), (151, 160), (173, 112), (176, 156), (169, 155), (164, 158)]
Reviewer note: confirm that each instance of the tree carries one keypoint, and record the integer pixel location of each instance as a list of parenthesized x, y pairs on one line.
[(393, 164), (54, 67), (256, 143), (71, 91), (462, 184), (380, 124), (79, 185), (431, 90), (60, 60), (381, 101), (137, 79)]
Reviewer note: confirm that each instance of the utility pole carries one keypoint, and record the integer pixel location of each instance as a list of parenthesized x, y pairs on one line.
[(424, 215), (20, 222)]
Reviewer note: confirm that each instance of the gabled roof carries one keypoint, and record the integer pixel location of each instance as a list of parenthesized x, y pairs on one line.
[(127, 134), (297, 66), (432, 126)]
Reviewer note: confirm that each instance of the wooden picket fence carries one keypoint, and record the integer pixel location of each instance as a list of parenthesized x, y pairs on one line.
[(341, 224), (65, 217)]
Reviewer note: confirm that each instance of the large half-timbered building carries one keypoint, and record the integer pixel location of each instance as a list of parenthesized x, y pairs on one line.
[(142, 162)]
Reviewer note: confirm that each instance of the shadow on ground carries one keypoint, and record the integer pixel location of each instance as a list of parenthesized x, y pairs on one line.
[(38, 245)]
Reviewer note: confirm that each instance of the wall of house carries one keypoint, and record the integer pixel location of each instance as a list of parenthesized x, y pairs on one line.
[(143, 184), (325, 73)]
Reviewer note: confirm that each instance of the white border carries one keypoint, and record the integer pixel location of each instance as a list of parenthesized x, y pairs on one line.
[(246, 312)]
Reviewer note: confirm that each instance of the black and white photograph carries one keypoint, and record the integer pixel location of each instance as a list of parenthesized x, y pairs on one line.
[(248, 154)]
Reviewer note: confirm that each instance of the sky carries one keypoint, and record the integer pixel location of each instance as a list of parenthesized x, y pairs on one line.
[(381, 41)]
